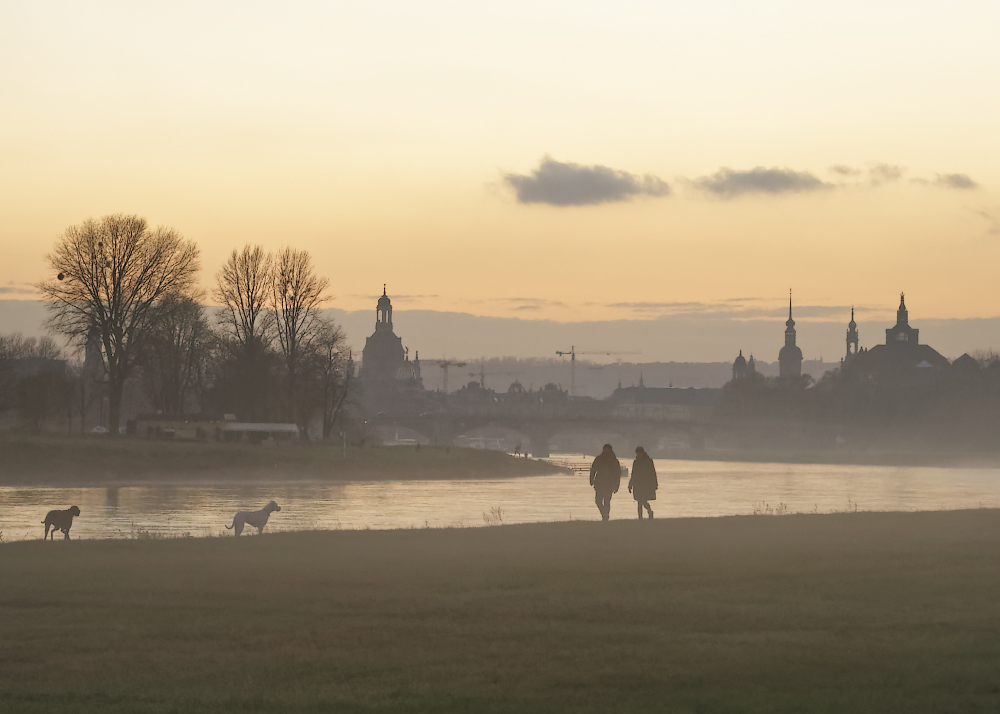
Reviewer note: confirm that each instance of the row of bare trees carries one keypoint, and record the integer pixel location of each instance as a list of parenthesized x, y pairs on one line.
[(268, 354)]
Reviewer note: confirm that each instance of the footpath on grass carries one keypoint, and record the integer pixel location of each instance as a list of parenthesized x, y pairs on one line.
[(66, 461)]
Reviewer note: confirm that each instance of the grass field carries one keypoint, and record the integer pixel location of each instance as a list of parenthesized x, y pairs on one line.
[(29, 460), (834, 613)]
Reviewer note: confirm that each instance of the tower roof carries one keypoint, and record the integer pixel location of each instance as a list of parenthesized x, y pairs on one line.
[(852, 324), (790, 322), (384, 302)]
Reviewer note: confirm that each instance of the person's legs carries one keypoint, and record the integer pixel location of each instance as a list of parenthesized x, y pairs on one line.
[(639, 504), (603, 501), (648, 508)]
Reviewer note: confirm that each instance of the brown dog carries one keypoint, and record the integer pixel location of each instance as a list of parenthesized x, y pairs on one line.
[(60, 521)]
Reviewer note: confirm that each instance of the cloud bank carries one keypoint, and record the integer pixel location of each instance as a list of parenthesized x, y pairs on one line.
[(566, 184), (727, 183)]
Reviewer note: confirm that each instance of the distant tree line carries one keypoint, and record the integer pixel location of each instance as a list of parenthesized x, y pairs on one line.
[(130, 292)]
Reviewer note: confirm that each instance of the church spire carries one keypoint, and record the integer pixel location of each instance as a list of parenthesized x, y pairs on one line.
[(791, 322)]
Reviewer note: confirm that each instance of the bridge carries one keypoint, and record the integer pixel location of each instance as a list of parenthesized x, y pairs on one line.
[(538, 427)]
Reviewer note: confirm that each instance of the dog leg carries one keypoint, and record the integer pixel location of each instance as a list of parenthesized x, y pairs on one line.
[(239, 529)]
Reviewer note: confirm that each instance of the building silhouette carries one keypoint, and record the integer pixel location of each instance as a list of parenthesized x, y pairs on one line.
[(790, 356), (852, 338), (386, 369), (902, 359), (740, 367)]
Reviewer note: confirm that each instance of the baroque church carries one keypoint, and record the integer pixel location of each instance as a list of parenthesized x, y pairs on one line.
[(902, 359), (387, 373)]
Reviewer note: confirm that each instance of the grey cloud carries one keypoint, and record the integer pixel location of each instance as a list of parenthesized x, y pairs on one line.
[(12, 288), (959, 181), (885, 173), (727, 183), (992, 216), (727, 311), (566, 184), (844, 170)]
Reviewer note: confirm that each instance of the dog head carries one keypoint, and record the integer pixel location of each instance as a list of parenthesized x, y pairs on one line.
[(271, 507), (73, 511)]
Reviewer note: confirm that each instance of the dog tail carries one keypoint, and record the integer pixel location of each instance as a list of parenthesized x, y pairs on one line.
[(229, 528)]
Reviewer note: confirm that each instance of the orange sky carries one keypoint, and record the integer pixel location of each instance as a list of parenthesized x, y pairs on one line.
[(379, 138)]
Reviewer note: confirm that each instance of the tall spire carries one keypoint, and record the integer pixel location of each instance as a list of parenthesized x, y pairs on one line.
[(790, 322)]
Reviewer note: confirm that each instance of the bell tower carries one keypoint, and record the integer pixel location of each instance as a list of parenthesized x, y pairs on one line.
[(852, 338), (790, 356)]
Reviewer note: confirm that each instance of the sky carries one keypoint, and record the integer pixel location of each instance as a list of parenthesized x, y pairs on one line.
[(558, 161)]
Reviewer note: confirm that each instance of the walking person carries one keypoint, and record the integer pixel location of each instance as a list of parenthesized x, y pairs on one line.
[(605, 477), (643, 483)]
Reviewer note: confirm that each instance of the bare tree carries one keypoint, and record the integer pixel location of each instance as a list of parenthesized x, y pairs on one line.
[(296, 298), (110, 274), (175, 352), (334, 373), (17, 346), (243, 288)]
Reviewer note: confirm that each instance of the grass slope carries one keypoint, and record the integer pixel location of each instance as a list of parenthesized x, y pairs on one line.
[(839, 613), (79, 460)]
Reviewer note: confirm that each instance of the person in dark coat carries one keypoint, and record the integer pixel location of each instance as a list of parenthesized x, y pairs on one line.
[(643, 483), (605, 477)]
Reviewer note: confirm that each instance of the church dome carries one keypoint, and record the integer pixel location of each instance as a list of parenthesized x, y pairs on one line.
[(740, 362), (790, 352)]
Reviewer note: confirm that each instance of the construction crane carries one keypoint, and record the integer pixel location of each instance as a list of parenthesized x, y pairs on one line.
[(444, 364), (482, 375), (572, 362)]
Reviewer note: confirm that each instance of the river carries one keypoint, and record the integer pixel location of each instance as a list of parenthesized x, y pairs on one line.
[(687, 488)]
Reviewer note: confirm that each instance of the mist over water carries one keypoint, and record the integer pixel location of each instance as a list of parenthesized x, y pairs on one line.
[(687, 489)]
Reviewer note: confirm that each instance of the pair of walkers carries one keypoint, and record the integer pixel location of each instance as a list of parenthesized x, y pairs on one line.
[(606, 478)]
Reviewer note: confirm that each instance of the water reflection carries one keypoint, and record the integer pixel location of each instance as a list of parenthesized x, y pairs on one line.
[(687, 488)]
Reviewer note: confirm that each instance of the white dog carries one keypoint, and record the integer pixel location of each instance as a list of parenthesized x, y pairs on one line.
[(257, 519)]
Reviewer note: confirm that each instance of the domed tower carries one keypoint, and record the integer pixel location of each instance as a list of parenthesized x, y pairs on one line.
[(790, 356), (852, 338), (740, 367), (383, 310), (751, 366), (382, 359)]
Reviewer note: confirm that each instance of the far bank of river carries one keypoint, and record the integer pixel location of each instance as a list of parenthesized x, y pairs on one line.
[(67, 461)]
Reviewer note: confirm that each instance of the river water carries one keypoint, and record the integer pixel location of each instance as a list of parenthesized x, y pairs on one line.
[(687, 488)]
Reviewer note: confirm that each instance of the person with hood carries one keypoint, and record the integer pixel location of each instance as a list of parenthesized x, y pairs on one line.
[(605, 477), (643, 483)]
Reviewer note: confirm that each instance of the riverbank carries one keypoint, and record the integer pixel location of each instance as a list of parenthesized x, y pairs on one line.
[(66, 461), (857, 612)]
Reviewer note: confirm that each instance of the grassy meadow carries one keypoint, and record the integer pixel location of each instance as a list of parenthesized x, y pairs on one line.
[(859, 612), (67, 461)]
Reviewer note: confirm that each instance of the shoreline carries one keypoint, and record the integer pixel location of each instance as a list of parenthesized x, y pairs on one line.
[(890, 459), (94, 461)]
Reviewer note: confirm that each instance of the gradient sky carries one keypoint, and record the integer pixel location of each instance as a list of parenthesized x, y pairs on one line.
[(399, 143)]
